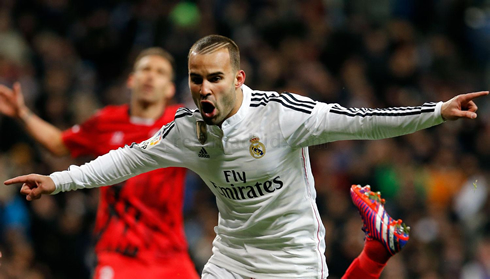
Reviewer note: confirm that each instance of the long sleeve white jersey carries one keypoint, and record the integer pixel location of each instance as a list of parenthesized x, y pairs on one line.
[(258, 167)]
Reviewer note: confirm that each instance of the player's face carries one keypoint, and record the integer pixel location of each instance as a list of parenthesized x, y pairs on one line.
[(215, 86), (151, 81)]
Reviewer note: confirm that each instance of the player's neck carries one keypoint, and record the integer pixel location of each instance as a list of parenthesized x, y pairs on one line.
[(147, 110)]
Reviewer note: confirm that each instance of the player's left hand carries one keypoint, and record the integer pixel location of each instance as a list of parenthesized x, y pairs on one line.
[(461, 106), (34, 185)]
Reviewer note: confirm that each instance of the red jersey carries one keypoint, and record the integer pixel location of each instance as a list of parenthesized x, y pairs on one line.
[(141, 217)]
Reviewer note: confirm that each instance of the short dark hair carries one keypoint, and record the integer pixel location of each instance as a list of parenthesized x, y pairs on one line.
[(212, 43), (157, 51)]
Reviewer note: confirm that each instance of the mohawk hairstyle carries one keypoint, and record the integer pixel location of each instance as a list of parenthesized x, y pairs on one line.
[(212, 43)]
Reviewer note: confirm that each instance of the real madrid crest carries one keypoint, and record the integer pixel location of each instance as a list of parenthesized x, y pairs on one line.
[(257, 149)]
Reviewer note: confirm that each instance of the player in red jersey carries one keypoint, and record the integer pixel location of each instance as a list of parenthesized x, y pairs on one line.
[(139, 224)]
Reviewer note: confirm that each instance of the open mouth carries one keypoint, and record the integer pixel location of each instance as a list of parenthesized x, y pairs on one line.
[(148, 87), (208, 109)]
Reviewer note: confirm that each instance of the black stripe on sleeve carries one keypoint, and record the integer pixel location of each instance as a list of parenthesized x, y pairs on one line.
[(184, 112), (313, 103), (291, 106), (182, 115), (399, 111), (285, 99), (282, 103), (167, 129)]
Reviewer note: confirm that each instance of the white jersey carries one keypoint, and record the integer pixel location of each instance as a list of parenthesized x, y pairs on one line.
[(258, 167)]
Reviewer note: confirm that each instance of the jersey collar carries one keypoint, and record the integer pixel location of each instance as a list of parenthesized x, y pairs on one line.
[(141, 121), (242, 111)]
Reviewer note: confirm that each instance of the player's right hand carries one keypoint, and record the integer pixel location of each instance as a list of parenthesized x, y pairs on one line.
[(34, 185), (461, 106), (12, 101)]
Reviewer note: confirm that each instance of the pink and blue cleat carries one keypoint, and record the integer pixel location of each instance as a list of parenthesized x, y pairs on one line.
[(393, 234)]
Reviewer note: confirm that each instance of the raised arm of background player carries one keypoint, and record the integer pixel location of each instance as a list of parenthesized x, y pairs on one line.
[(34, 185), (12, 104)]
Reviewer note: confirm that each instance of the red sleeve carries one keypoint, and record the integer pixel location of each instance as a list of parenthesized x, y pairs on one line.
[(81, 139)]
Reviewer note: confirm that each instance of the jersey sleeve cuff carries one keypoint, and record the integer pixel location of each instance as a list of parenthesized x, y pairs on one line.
[(61, 181), (438, 113)]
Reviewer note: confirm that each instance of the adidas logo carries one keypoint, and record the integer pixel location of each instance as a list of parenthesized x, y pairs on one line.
[(203, 153)]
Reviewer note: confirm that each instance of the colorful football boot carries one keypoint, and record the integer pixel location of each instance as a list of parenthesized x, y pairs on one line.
[(393, 234)]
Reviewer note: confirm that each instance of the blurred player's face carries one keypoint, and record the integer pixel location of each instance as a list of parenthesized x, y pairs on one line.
[(215, 85), (151, 81)]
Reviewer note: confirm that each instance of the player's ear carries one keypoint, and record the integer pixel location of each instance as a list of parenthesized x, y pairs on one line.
[(130, 81), (170, 91), (239, 78)]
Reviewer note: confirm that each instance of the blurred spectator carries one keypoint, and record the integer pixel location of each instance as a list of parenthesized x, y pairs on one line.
[(479, 267)]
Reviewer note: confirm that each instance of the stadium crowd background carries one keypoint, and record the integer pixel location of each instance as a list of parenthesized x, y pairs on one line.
[(73, 57)]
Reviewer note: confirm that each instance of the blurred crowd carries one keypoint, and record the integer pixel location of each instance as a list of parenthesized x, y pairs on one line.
[(73, 57)]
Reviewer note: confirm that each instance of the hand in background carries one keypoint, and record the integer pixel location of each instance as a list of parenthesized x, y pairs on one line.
[(12, 101)]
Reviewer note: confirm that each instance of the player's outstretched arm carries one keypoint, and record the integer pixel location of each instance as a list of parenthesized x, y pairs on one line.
[(12, 104), (34, 185), (461, 106)]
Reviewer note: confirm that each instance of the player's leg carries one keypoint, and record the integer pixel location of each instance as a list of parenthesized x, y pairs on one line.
[(384, 236)]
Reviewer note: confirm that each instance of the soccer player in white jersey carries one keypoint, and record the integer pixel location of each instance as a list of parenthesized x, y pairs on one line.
[(251, 148)]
